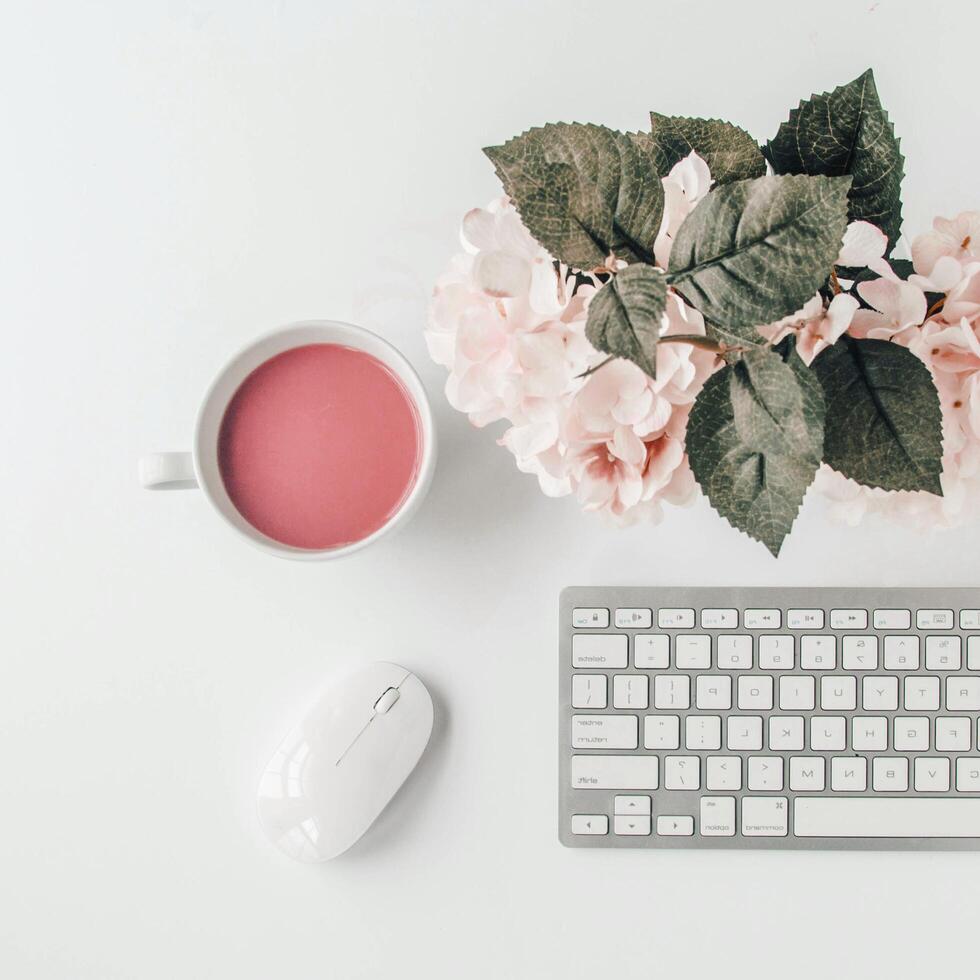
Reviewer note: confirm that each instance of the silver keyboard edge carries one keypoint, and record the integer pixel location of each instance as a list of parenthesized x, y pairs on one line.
[(741, 598)]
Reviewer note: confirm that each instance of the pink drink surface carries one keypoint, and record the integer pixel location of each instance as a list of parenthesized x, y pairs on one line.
[(320, 446)]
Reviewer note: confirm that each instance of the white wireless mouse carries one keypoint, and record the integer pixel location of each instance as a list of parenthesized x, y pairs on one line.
[(337, 769)]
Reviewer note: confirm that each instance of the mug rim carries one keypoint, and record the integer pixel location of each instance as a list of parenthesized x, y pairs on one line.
[(214, 404)]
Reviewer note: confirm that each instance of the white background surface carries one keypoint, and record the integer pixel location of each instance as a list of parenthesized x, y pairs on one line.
[(177, 177)]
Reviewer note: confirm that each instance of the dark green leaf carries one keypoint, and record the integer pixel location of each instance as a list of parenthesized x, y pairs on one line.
[(884, 424), (847, 132), (754, 441), (756, 250), (625, 316), (585, 192), (731, 154)]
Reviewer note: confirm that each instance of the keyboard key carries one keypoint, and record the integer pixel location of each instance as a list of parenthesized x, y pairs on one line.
[(734, 652), (600, 650), (631, 826), (931, 775), (953, 734), (682, 772), (605, 731), (889, 774), (583, 619), (661, 732), (717, 816), (970, 619), (765, 816), (892, 619), (762, 619), (911, 735), (860, 653), (744, 733), (692, 651), (848, 619), (879, 693), (963, 693), (901, 653), (805, 619), (838, 692), (589, 691), (713, 692), (973, 653), (807, 774), (921, 693), (675, 619), (796, 693), (636, 806), (869, 734), (615, 771), (776, 653), (943, 653), (934, 619), (828, 733), (672, 691), (590, 824), (967, 775), (818, 652), (719, 619), (815, 816), (651, 651), (755, 692), (785, 734), (765, 773), (634, 619), (702, 732), (723, 772), (849, 774), (675, 826), (631, 692)]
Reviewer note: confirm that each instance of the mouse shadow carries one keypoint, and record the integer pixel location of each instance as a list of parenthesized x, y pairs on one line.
[(407, 809)]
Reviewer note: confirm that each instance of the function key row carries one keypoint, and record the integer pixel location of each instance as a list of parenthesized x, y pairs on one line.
[(764, 619)]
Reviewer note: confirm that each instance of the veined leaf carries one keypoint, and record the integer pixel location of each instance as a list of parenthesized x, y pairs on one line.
[(584, 191), (847, 131), (884, 423), (729, 151), (625, 316), (756, 250), (755, 439)]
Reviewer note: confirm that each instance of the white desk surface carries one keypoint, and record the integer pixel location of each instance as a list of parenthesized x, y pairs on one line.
[(177, 177)]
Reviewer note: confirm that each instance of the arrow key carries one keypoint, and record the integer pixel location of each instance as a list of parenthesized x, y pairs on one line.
[(627, 826), (590, 824), (675, 826), (632, 806)]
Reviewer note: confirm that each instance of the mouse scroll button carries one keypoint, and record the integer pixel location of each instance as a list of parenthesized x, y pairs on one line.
[(384, 703)]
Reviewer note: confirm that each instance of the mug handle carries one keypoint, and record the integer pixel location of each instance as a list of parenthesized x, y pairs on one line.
[(167, 471)]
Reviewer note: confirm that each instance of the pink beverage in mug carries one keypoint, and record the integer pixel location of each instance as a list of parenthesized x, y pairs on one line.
[(320, 446)]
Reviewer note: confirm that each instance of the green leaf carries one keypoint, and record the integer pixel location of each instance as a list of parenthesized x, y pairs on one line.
[(754, 441), (847, 132), (756, 250), (729, 151), (884, 424), (583, 191), (625, 316)]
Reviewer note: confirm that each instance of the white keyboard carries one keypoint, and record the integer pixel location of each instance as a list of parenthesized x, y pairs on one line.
[(817, 718)]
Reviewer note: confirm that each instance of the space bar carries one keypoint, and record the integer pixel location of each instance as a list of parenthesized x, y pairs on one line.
[(870, 817)]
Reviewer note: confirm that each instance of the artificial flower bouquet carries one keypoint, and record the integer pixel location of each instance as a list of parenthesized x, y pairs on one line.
[(662, 311)]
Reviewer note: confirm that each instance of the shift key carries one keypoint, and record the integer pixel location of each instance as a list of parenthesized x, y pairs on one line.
[(615, 772)]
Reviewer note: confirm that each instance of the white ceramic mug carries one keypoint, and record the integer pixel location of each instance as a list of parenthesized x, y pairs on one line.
[(199, 468)]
